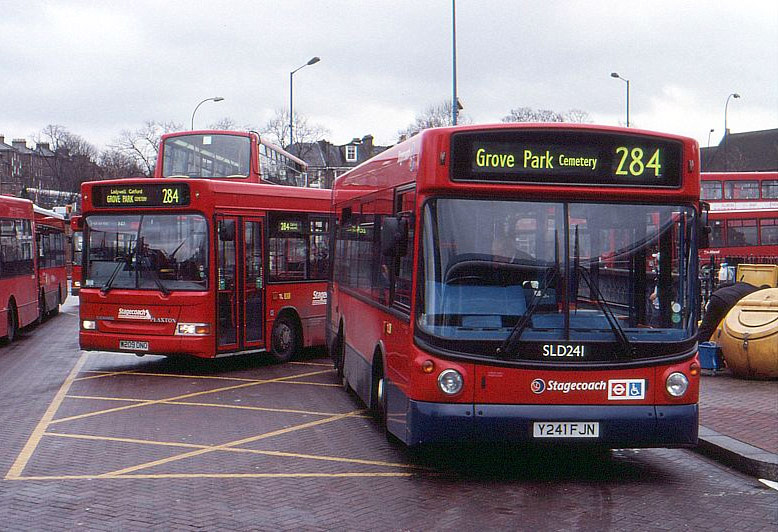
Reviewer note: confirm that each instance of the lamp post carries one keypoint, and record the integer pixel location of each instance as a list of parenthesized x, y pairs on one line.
[(214, 99), (733, 95), (726, 131), (311, 61), (709, 132), (616, 75), (454, 99)]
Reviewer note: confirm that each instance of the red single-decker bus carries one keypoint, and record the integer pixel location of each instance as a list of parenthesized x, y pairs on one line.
[(51, 268), (522, 283), (18, 277), (203, 267)]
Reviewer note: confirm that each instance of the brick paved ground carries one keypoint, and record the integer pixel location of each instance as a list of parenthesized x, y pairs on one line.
[(153, 444), (746, 410)]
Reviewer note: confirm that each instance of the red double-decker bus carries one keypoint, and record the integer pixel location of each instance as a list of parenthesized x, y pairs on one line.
[(240, 156), (76, 243), (743, 217), (18, 275), (51, 268), (203, 267), (522, 283)]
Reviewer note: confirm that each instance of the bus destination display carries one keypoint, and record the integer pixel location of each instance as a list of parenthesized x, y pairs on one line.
[(135, 195), (566, 157)]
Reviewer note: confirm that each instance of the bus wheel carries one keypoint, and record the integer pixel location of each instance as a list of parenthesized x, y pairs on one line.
[(13, 323), (284, 339), (378, 395), (336, 354), (55, 310), (41, 307)]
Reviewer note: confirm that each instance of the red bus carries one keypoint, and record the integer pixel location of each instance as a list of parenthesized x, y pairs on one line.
[(18, 279), (77, 243), (743, 217), (51, 268), (231, 155), (203, 267), (496, 283)]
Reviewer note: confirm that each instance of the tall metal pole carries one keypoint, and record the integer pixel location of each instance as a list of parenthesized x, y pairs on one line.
[(311, 61), (616, 75), (214, 99), (454, 101), (726, 131)]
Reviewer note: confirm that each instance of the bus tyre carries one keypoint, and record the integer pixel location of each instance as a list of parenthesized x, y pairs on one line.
[(13, 323), (284, 340), (41, 307), (55, 310)]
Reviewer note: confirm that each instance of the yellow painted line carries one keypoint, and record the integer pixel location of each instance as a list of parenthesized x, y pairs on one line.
[(179, 397), (224, 475), (281, 454), (314, 364), (213, 405), (230, 444), (24, 456), (101, 375)]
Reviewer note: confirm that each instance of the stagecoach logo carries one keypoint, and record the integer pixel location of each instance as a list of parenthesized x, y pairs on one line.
[(538, 385), (319, 298), (626, 389), (135, 314), (142, 314)]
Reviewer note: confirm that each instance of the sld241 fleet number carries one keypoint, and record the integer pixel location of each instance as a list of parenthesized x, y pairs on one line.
[(564, 350)]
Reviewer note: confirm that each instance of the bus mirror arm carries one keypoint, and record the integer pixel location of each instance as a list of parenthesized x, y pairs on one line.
[(394, 236), (703, 228)]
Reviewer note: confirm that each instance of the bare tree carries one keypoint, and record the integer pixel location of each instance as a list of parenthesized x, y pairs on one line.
[(577, 116), (225, 124), (74, 158), (142, 144), (116, 164), (305, 134), (528, 114), (434, 116)]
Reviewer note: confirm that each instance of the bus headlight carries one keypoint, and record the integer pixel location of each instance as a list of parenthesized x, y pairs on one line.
[(193, 329), (77, 284), (89, 325), (450, 382), (677, 384)]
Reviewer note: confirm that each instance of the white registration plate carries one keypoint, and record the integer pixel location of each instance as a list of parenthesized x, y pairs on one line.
[(133, 345), (566, 429)]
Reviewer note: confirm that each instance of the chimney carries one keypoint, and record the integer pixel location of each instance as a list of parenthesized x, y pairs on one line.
[(19, 143), (2, 139), (367, 141)]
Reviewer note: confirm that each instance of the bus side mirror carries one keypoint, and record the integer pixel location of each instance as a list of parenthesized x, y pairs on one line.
[(394, 236), (227, 230), (703, 228)]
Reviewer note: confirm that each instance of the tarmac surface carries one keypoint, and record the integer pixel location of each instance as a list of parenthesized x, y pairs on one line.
[(739, 423)]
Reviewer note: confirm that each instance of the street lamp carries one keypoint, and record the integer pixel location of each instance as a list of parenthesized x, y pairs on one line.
[(454, 99), (709, 132), (733, 95), (214, 99), (726, 131), (616, 75), (311, 61)]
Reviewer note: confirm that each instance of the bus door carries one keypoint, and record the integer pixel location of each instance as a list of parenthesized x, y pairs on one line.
[(240, 283)]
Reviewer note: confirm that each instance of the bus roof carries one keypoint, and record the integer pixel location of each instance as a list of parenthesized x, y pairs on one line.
[(223, 194), (425, 160)]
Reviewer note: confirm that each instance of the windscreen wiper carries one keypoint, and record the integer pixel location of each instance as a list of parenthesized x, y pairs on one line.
[(513, 338), (618, 331), (111, 278), (143, 259)]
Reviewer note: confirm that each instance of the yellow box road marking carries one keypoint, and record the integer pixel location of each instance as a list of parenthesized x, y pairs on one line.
[(179, 397), (234, 443), (225, 476), (282, 454), (212, 405), (21, 461)]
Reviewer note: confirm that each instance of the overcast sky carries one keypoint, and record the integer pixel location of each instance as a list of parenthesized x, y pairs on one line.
[(98, 67)]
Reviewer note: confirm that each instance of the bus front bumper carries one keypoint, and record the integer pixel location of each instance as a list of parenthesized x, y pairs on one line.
[(617, 426)]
